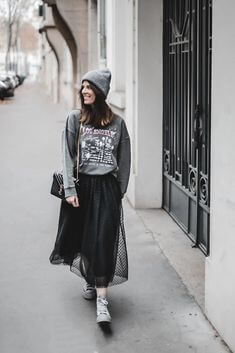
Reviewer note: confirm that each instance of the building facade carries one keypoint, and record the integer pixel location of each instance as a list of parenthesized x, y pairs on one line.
[(173, 71)]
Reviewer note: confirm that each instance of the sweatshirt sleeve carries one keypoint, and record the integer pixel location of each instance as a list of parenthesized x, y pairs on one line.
[(69, 156), (124, 158)]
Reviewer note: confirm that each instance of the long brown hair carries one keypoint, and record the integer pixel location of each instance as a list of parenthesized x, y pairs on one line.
[(98, 114)]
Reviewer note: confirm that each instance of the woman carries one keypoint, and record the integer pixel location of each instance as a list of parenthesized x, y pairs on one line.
[(91, 235)]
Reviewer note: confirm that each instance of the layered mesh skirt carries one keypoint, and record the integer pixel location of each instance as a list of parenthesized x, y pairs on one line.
[(91, 238)]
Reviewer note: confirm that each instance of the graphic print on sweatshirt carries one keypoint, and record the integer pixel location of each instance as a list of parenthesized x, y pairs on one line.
[(97, 146)]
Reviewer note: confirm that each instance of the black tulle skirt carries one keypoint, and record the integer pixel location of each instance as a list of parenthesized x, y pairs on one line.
[(91, 238)]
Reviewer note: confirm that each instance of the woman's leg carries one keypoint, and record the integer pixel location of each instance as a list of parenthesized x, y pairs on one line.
[(102, 311), (101, 292)]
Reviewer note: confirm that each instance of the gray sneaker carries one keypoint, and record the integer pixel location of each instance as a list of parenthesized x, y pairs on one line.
[(89, 291), (103, 314)]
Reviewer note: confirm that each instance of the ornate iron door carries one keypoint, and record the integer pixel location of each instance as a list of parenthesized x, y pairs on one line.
[(187, 40)]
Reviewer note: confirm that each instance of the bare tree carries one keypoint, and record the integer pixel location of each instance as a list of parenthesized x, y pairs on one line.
[(13, 13)]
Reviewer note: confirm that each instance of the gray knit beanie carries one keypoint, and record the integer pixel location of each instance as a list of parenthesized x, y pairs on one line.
[(100, 78)]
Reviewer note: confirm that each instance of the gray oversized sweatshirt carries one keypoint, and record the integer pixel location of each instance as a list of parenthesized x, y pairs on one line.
[(102, 151)]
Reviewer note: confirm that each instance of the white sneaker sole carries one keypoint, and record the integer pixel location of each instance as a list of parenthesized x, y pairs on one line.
[(103, 318)]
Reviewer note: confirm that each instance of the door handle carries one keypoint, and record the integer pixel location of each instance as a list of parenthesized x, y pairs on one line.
[(197, 127)]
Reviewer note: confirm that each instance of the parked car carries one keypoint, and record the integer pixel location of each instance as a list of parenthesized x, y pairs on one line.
[(12, 78), (21, 79), (3, 90), (8, 82), (9, 86)]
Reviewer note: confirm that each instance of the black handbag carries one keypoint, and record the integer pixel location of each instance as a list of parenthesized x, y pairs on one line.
[(57, 187)]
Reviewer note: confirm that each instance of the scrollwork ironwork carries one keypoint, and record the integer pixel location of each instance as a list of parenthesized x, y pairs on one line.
[(167, 161), (193, 180), (203, 189)]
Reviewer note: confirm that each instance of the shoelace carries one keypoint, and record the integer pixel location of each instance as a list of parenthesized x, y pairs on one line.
[(102, 306)]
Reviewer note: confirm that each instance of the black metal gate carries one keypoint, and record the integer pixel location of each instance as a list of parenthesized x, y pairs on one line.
[(187, 40)]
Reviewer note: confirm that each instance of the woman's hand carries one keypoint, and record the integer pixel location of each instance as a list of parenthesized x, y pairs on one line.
[(73, 200)]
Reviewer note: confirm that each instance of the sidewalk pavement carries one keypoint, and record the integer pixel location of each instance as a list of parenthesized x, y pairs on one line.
[(41, 305)]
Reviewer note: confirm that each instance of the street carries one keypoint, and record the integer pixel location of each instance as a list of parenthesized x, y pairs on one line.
[(42, 310)]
